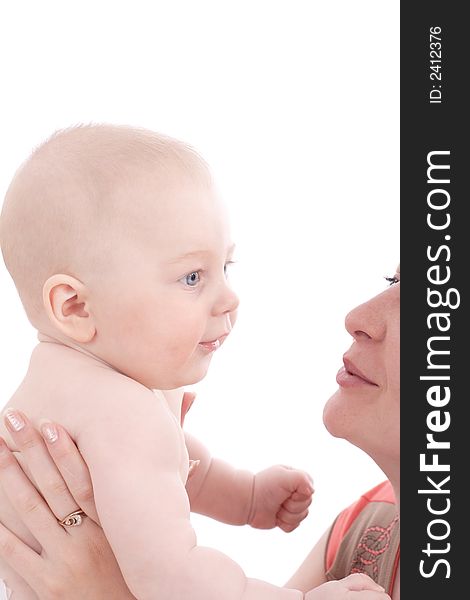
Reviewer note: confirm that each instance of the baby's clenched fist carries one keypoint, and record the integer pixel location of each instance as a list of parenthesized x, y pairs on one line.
[(281, 497)]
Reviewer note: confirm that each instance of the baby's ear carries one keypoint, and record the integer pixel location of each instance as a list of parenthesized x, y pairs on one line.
[(65, 301)]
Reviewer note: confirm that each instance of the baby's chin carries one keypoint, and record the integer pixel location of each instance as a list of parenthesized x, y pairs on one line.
[(157, 383)]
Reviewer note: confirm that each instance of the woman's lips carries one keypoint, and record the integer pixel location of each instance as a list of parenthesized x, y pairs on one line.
[(350, 376)]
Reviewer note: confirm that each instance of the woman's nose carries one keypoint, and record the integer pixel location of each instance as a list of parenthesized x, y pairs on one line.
[(367, 321)]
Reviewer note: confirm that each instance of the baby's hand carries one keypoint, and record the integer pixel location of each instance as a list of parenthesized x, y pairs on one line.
[(281, 498), (363, 586)]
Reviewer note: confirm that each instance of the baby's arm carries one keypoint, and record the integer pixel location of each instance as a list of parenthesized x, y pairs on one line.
[(276, 497), (216, 489), (144, 508)]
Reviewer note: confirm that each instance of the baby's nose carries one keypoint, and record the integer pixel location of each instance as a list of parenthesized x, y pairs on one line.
[(227, 302)]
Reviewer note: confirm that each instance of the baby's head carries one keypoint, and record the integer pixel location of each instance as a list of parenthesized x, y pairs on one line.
[(118, 244)]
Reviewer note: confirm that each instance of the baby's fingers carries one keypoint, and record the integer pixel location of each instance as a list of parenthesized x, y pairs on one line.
[(302, 493), (288, 521), (295, 505)]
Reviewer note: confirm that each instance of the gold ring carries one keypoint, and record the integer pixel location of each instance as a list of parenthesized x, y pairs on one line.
[(73, 519)]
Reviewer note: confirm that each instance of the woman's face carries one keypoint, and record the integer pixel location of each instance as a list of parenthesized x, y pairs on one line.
[(365, 410)]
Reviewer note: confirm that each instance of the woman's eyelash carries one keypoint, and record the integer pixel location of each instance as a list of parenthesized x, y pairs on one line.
[(392, 280)]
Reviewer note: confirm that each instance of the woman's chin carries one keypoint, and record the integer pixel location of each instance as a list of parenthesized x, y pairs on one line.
[(334, 415), (332, 428)]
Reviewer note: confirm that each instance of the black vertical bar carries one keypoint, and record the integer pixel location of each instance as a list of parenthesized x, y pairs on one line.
[(435, 267)]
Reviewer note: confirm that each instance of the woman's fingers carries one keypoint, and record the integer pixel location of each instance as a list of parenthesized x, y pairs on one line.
[(39, 463), (26, 500), (357, 582), (19, 556), (75, 562), (71, 465), (369, 595), (55, 465)]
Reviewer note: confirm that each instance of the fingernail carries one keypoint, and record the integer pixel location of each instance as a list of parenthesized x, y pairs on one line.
[(49, 432), (14, 420)]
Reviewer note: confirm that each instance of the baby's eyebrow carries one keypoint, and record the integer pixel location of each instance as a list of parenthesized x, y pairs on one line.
[(193, 254), (198, 254)]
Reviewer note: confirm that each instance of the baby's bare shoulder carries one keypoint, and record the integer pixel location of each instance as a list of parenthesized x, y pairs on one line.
[(112, 397), (131, 421), (81, 393)]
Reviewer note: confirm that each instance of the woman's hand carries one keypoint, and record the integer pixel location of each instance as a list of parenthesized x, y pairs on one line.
[(76, 563), (358, 586)]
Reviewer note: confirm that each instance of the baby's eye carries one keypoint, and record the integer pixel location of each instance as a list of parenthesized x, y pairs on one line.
[(227, 265), (392, 280), (191, 279)]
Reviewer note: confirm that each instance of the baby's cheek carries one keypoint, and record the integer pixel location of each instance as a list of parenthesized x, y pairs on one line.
[(182, 336)]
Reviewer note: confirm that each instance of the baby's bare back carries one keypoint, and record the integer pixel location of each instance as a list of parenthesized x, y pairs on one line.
[(79, 392), (134, 447)]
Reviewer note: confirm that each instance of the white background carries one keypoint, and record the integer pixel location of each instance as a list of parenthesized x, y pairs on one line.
[(295, 105)]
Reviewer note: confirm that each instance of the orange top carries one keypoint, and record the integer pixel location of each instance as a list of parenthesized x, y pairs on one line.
[(365, 538)]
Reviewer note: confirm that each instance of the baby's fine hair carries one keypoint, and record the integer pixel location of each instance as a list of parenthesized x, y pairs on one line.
[(65, 196)]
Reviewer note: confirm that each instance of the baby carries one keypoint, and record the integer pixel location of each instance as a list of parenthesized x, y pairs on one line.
[(119, 247)]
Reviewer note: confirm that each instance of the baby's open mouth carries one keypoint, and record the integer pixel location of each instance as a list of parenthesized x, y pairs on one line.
[(213, 345), (210, 345)]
